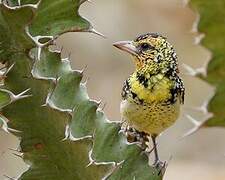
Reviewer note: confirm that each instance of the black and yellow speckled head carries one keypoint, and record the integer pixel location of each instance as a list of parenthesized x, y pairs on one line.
[(152, 53)]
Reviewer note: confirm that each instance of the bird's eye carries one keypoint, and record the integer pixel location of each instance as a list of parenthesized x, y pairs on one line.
[(145, 46)]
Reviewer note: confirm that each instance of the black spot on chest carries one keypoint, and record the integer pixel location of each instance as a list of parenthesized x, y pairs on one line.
[(142, 80), (174, 93), (125, 90), (178, 90), (134, 95)]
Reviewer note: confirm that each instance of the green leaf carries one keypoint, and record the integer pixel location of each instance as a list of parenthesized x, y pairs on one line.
[(5, 98), (109, 146), (42, 130), (13, 37), (57, 17), (53, 18), (212, 24), (64, 134)]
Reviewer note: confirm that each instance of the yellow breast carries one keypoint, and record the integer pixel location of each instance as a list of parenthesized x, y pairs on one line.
[(151, 119), (155, 113), (158, 88)]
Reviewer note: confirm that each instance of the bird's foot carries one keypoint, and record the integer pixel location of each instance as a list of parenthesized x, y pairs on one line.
[(136, 136), (160, 166)]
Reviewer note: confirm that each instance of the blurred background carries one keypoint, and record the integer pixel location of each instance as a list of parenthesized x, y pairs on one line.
[(200, 156)]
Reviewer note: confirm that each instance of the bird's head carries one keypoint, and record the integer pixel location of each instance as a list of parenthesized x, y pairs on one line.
[(152, 53)]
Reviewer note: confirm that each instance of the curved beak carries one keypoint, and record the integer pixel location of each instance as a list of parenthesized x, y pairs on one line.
[(126, 46)]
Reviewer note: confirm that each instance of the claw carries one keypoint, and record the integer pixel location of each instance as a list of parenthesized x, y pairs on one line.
[(161, 166)]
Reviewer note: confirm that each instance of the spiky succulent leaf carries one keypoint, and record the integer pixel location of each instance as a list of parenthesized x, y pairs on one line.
[(43, 130), (212, 24), (60, 19), (63, 133), (5, 98), (53, 18), (13, 37), (88, 121)]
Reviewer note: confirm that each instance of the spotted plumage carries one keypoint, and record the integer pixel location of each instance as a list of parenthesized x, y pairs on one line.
[(152, 95)]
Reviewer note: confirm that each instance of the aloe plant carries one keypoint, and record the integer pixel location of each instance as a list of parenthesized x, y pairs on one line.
[(211, 24), (64, 134)]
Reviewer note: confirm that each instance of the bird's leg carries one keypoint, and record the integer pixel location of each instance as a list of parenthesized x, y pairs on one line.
[(130, 134), (134, 135), (157, 162)]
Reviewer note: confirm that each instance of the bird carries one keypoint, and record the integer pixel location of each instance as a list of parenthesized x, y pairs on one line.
[(153, 93)]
